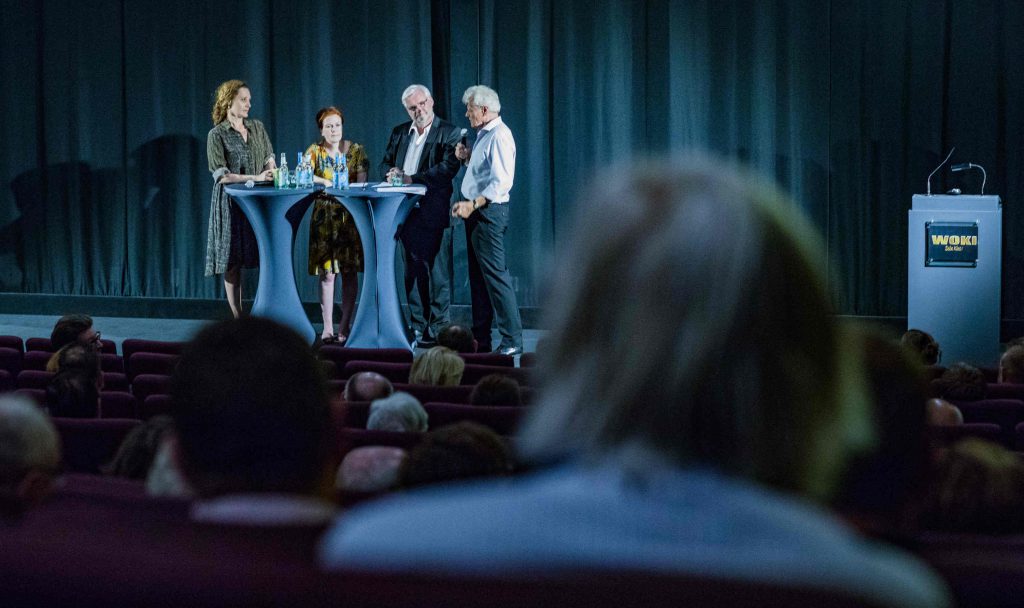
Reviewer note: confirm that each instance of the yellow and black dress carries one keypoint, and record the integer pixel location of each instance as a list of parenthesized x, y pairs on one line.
[(334, 244)]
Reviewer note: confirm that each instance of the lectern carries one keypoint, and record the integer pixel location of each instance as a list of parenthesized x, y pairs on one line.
[(954, 269)]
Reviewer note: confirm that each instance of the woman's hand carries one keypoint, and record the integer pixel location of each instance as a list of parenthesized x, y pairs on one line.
[(266, 176)]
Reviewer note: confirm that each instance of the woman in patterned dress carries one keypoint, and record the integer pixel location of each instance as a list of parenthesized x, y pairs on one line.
[(238, 149), (334, 245)]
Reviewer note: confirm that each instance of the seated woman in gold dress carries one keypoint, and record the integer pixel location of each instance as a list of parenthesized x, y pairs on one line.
[(334, 246)]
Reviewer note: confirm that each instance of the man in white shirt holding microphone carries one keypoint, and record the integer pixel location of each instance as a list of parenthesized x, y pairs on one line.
[(490, 171)]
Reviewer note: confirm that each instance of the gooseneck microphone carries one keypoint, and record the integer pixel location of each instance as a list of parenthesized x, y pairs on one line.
[(937, 168), (966, 166)]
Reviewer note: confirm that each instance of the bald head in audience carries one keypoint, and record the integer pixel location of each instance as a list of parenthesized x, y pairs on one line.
[(370, 469), (29, 454), (1011, 365), (367, 386), (943, 413)]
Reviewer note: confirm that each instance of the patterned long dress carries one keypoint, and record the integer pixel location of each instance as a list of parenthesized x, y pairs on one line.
[(230, 241), (334, 244)]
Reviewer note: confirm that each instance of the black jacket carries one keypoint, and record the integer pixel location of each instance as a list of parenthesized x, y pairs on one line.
[(438, 167)]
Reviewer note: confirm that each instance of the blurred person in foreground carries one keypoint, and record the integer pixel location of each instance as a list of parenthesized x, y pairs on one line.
[(882, 489), (689, 455), (253, 432), (29, 455)]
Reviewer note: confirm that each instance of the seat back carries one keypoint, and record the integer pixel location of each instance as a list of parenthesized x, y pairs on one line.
[(132, 345), (503, 420), (395, 372), (89, 443), (473, 373)]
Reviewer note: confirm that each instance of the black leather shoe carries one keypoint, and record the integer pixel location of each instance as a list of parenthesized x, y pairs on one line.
[(510, 351)]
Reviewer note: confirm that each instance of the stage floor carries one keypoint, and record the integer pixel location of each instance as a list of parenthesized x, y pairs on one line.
[(173, 330)]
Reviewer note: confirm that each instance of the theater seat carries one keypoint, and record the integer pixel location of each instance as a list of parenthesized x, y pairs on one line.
[(341, 355), (489, 359), (118, 404), (145, 385), (10, 360), (151, 363), (443, 394), (503, 420), (395, 372), (132, 345), (89, 443), (473, 373), (14, 342)]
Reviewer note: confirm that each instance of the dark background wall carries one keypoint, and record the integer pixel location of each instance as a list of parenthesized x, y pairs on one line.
[(105, 106)]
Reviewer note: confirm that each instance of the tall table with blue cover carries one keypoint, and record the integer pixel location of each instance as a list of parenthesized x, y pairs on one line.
[(275, 215)]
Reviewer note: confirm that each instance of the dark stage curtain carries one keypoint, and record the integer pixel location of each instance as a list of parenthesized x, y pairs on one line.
[(105, 107)]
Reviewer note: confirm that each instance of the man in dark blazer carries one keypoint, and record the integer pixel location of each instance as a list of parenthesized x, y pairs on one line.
[(422, 151)]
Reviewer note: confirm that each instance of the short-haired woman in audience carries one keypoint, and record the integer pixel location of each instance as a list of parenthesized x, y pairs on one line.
[(334, 245), (439, 366), (692, 420)]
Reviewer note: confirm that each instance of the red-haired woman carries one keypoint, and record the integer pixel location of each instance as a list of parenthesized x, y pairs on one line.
[(334, 246)]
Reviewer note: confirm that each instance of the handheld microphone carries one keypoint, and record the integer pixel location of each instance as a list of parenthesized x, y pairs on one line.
[(966, 166), (937, 168), (462, 135)]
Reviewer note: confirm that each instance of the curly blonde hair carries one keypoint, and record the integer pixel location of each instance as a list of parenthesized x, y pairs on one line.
[(223, 97)]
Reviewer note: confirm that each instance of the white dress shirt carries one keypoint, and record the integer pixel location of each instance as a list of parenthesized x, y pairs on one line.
[(416, 144), (492, 164)]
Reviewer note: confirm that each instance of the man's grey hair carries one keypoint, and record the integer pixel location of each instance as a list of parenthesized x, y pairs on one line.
[(719, 348), (482, 96), (412, 88), (28, 440), (400, 412)]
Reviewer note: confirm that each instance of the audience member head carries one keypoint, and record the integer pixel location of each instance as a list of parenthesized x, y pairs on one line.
[(29, 454), (138, 450), (1011, 365), (439, 366), (370, 469), (464, 450), (457, 338), (400, 413), (367, 386), (979, 488), (881, 485), (961, 382), (923, 344), (943, 413), (74, 328), (74, 391), (251, 411), (651, 371), (496, 389)]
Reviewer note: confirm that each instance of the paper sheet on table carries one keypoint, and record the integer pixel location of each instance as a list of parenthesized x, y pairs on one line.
[(408, 188)]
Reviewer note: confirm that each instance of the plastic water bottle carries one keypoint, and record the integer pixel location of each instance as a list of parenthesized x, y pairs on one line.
[(281, 176), (340, 172)]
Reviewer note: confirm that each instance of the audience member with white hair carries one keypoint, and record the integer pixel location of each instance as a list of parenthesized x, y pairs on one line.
[(401, 413), (694, 419)]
